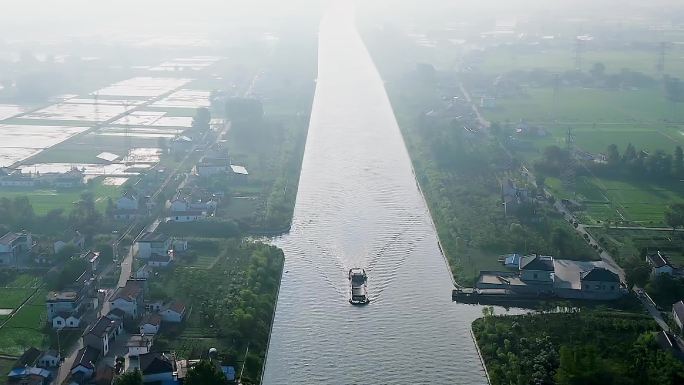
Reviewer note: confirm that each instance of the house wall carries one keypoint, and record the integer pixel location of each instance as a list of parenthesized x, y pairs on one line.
[(143, 249), (600, 287), (102, 344), (54, 308), (80, 368), (662, 270), (48, 361), (163, 377), (130, 308), (149, 329), (536, 275), (137, 350)]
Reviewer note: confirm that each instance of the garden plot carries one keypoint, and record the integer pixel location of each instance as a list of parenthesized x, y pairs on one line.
[(142, 87), (185, 99), (79, 112), (18, 142), (10, 110)]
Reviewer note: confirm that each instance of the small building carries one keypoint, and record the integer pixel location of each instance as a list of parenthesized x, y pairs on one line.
[(600, 280), (68, 320), (49, 359), (72, 238), (174, 312), (23, 364), (129, 298), (180, 144), (150, 243), (61, 303), (157, 367), (139, 344), (85, 362), (102, 333), (678, 314), (512, 260), (240, 173), (116, 314), (660, 264), (14, 245), (536, 268), (93, 259), (127, 201), (150, 324), (185, 216), (160, 260)]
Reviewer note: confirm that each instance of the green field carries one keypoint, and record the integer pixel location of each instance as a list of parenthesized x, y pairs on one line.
[(635, 203), (43, 201), (502, 59), (5, 367), (25, 328)]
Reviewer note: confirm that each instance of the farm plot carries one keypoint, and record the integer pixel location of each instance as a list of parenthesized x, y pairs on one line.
[(142, 87), (79, 112), (19, 142), (24, 328), (185, 99)]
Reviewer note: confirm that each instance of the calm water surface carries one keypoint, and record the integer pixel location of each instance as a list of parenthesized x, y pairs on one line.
[(358, 205)]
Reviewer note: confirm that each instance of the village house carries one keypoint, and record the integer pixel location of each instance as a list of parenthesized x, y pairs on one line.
[(174, 312), (127, 208), (544, 275), (49, 359), (84, 364), (180, 144), (160, 260), (139, 344), (116, 314), (157, 367), (74, 238), (15, 178), (26, 369), (150, 324), (152, 243), (13, 246), (660, 264), (102, 333), (66, 308), (130, 298), (678, 314)]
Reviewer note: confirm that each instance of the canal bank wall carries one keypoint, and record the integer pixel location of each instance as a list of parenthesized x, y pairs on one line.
[(479, 354)]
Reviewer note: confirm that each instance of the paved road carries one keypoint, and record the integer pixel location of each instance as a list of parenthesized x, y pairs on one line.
[(651, 308), (581, 230)]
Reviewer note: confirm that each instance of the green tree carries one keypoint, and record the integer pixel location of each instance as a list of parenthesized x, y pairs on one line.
[(613, 155), (674, 216), (129, 378), (206, 372), (678, 165), (637, 271)]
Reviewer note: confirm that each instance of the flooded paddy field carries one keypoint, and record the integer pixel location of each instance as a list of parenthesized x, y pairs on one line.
[(67, 111), (18, 142), (143, 87), (10, 110), (185, 98), (195, 63)]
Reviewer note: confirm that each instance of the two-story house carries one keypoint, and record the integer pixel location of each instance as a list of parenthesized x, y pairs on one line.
[(102, 333), (130, 298), (660, 264), (14, 245), (152, 243)]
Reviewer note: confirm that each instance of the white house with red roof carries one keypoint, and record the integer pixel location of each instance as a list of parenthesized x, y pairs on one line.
[(129, 298)]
